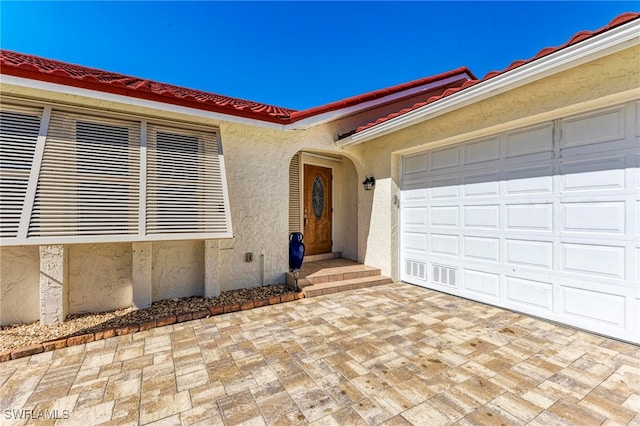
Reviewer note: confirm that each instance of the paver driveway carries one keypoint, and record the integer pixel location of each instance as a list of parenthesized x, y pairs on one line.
[(394, 354)]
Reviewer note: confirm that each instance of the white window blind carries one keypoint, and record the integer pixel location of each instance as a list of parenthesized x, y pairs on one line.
[(73, 177), (294, 194), (88, 183), (19, 128), (185, 184)]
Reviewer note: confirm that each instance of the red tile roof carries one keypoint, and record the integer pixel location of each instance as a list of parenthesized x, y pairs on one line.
[(462, 72), (37, 68), (52, 71), (577, 38)]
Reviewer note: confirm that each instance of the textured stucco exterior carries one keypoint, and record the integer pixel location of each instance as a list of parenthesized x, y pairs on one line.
[(19, 284), (54, 284), (257, 157), (99, 277), (177, 269)]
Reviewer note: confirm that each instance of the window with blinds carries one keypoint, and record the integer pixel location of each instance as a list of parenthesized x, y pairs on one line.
[(185, 184), (19, 128), (89, 178), (106, 179)]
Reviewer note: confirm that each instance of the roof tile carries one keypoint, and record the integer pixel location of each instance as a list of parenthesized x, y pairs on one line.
[(37, 68), (463, 72)]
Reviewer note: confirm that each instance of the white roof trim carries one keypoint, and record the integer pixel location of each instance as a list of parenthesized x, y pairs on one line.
[(314, 120), (609, 42), (129, 100), (326, 117)]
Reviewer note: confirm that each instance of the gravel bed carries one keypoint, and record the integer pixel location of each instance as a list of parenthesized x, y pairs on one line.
[(19, 335)]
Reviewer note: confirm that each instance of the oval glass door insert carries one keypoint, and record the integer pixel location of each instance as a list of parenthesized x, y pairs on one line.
[(317, 197)]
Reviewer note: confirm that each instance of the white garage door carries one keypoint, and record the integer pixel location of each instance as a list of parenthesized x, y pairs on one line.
[(543, 220)]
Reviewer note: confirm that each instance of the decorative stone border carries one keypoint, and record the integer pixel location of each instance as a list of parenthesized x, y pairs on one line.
[(143, 325)]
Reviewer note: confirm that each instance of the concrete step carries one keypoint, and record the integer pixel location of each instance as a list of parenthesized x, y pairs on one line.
[(344, 285), (312, 274), (324, 256), (333, 275)]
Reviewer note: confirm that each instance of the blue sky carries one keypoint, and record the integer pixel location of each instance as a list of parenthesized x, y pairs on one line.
[(295, 54)]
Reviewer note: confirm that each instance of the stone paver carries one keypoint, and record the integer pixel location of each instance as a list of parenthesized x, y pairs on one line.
[(394, 354)]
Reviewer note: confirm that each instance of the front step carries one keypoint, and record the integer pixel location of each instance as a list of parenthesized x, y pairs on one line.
[(323, 256), (334, 275), (344, 285)]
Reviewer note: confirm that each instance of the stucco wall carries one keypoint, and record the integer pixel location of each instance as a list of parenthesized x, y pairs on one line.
[(19, 284), (257, 163), (99, 277), (611, 79), (177, 269)]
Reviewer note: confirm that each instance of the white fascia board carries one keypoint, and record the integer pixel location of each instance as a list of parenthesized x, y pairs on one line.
[(129, 100), (343, 112), (596, 47), (298, 125)]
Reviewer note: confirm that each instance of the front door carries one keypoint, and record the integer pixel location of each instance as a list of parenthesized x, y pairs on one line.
[(317, 209)]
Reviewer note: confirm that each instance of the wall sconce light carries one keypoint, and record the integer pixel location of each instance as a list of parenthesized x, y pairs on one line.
[(369, 183)]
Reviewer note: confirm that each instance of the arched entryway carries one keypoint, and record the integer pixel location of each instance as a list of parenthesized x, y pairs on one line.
[(323, 202)]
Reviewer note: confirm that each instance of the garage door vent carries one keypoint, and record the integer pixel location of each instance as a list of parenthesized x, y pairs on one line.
[(416, 269), (443, 275)]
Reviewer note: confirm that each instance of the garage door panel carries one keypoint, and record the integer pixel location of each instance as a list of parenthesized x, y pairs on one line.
[(487, 249), (416, 183), (413, 164), (445, 244), (445, 158), (444, 216), (532, 180), (414, 197), (482, 283), (529, 217), (413, 216), (481, 216), (531, 294), (594, 217), (543, 220), (602, 149), (538, 140), (604, 126), (593, 174), (594, 260), (445, 189), (415, 241), (537, 254), (608, 309), (478, 185), (481, 151)]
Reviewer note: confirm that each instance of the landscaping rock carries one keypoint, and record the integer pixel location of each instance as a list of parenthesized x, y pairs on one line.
[(83, 328)]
